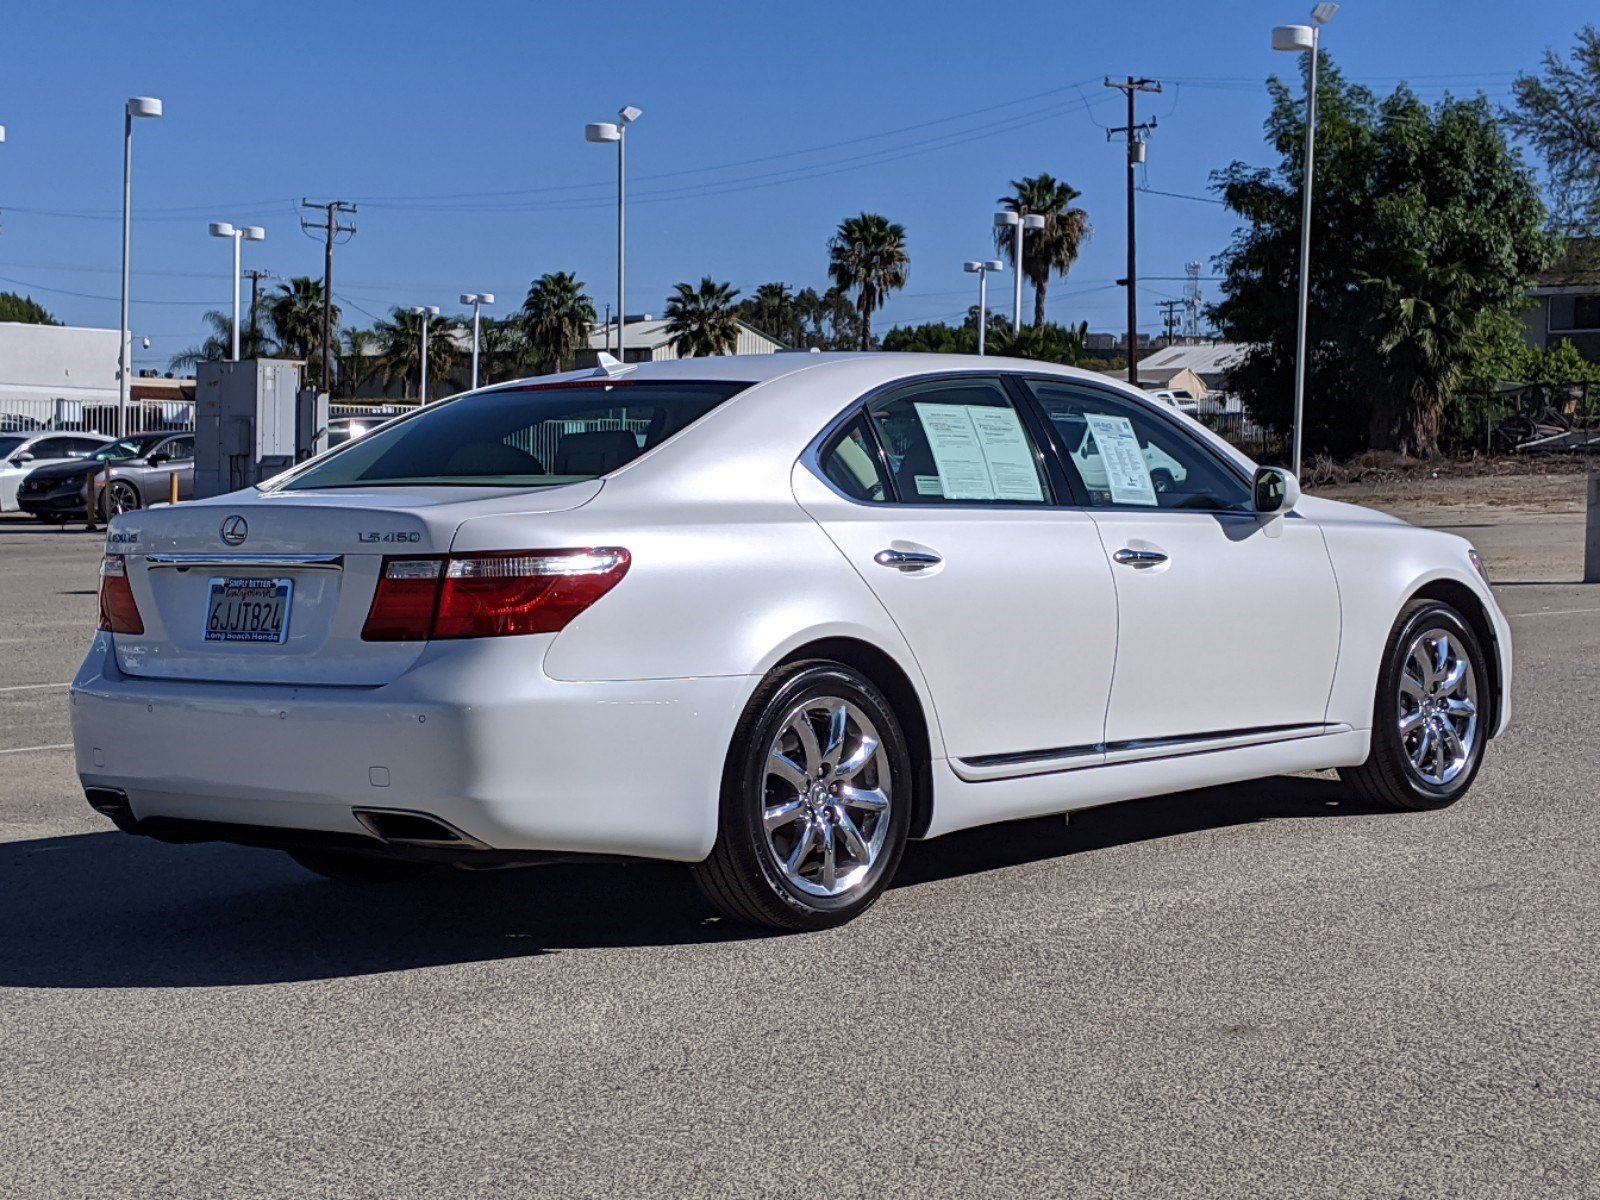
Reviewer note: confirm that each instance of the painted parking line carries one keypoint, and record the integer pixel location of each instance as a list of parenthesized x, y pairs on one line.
[(1557, 612), (32, 687), (31, 749)]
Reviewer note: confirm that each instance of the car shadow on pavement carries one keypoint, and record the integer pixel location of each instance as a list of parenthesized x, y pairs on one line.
[(103, 910)]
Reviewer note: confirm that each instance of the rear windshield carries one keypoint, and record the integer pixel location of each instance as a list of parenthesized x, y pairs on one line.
[(520, 436)]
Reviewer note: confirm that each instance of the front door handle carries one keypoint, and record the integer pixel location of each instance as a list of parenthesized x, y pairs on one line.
[(906, 560), (1139, 558)]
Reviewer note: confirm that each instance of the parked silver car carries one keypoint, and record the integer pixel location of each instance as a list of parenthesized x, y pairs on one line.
[(142, 467), (23, 453)]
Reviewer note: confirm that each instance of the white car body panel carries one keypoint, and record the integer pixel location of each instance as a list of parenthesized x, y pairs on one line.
[(610, 737)]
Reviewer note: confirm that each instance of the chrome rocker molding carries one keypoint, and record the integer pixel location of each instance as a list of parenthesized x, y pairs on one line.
[(984, 767)]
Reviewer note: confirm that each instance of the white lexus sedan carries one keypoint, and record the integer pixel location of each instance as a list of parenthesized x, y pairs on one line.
[(769, 616)]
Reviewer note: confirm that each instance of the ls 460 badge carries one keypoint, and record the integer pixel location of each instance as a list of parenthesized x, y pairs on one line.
[(388, 537)]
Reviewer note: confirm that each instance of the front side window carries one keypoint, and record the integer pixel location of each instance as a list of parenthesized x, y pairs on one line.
[(958, 441), (519, 436), (134, 447), (10, 445), (1126, 456)]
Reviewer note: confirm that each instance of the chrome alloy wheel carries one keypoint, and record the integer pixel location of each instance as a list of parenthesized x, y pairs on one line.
[(827, 796), (1438, 707)]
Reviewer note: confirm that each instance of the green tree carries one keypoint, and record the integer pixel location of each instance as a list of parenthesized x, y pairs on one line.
[(1557, 112), (294, 314), (358, 360), (557, 317), (1041, 343), (1053, 249), (775, 311), (935, 337), (702, 320), (23, 310), (868, 256), (502, 350), (1428, 231), (399, 343)]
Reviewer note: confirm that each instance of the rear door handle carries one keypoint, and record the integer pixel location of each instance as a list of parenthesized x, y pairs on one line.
[(907, 560), (1139, 558)]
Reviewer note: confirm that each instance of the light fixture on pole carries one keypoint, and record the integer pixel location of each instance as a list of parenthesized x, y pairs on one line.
[(607, 131), (477, 300), (425, 311), (1296, 39), (981, 270), (1017, 222), (138, 106), (239, 233)]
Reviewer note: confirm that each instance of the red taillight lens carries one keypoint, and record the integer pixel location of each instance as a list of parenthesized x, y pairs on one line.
[(537, 591), (403, 606), (489, 595), (118, 611)]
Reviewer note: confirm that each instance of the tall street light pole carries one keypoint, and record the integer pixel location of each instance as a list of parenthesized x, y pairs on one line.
[(477, 300), (239, 233), (607, 131), (138, 106), (1017, 222), (981, 270), (425, 311), (1296, 39)]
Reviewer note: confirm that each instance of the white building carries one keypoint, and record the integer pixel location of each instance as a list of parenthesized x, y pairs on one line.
[(44, 363), (649, 341)]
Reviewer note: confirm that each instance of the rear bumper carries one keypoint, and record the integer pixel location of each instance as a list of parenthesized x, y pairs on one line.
[(474, 734)]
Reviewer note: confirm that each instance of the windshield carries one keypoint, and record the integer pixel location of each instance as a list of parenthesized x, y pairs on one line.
[(520, 436), (133, 447), (9, 445)]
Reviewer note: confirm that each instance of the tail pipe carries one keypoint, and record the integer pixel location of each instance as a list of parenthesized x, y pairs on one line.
[(403, 827)]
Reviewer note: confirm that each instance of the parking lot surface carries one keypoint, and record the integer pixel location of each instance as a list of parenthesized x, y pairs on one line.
[(1261, 990)]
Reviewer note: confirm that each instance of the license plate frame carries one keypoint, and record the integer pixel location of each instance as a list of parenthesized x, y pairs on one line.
[(256, 628)]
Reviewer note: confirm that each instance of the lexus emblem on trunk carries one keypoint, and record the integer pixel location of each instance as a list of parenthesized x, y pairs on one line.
[(234, 530)]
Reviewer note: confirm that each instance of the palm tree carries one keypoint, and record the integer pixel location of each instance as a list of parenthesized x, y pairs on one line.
[(775, 311), (556, 319), (868, 254), (399, 341), (1422, 327), (702, 320), (294, 311), (356, 364), (216, 348), (502, 349), (1047, 251)]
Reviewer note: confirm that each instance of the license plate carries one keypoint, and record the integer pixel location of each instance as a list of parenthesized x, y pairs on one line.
[(247, 609)]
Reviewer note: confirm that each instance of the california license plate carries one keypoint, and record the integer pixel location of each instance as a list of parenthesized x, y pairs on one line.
[(248, 609)]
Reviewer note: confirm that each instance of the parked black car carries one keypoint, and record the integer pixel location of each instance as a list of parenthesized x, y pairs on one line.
[(141, 467)]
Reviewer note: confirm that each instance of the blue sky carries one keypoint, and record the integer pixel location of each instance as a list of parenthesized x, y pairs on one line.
[(458, 129)]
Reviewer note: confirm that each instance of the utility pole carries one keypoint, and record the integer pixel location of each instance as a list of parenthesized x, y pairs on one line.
[(1169, 316), (1135, 134), (330, 227), (256, 276)]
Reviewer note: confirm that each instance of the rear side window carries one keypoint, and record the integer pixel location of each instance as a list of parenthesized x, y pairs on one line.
[(851, 464), (520, 436), (958, 441)]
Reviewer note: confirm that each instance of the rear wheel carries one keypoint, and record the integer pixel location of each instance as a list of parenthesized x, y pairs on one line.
[(816, 801), (357, 868), (120, 497), (1430, 714)]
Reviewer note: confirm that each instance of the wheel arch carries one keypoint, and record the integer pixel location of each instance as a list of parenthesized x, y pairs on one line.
[(1473, 610), (891, 678)]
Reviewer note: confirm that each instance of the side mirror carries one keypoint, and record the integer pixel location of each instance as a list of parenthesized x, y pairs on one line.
[(22, 456), (155, 460), (1275, 490)]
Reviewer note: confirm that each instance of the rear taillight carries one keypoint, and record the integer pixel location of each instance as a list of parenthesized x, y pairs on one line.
[(489, 595), (403, 606), (118, 611)]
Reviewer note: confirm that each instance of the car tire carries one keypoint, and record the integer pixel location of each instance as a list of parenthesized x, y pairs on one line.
[(358, 868), (1429, 727), (119, 496), (811, 828)]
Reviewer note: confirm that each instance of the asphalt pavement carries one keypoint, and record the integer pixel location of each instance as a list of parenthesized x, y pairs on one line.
[(1261, 990)]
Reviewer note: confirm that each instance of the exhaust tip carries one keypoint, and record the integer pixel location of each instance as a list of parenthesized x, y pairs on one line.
[(403, 827), (113, 803)]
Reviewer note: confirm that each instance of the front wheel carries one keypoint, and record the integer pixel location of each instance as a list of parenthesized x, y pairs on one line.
[(816, 802), (1430, 714)]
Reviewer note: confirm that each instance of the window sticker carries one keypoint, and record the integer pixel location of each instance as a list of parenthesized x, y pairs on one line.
[(1127, 473), (929, 485), (982, 453)]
